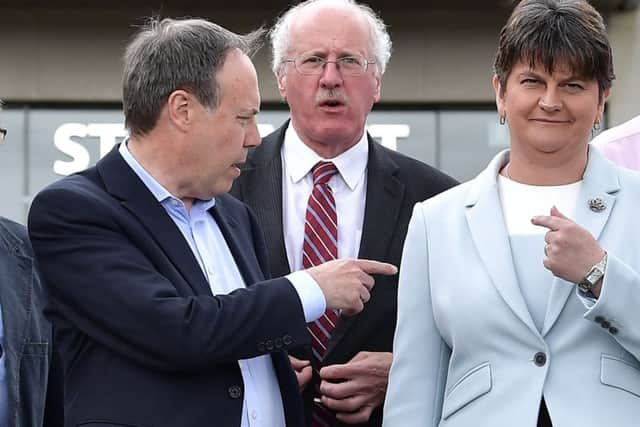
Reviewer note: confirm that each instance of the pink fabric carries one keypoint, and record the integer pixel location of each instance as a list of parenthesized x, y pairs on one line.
[(621, 144)]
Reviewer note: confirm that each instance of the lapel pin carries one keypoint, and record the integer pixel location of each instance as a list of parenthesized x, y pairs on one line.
[(597, 204)]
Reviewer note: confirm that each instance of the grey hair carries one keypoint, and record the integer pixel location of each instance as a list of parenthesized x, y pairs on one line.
[(380, 39), (170, 54)]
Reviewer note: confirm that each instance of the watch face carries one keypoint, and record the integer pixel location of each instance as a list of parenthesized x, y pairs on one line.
[(594, 275)]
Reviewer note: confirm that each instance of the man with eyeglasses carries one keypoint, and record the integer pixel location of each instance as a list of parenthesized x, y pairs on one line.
[(328, 59), (30, 380), (163, 309)]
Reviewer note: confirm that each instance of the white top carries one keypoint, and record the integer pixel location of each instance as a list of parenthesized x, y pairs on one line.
[(349, 188), (521, 202)]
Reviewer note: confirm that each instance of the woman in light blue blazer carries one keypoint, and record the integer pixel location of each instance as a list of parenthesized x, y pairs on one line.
[(519, 295)]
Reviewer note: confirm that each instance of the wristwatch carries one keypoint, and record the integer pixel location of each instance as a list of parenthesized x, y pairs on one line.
[(595, 273)]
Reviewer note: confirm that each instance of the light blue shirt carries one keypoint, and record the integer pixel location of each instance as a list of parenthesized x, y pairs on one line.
[(4, 397), (262, 405)]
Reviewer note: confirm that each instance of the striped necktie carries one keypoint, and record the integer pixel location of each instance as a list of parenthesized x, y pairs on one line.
[(321, 245)]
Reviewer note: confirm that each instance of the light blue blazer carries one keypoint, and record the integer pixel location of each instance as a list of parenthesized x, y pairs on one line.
[(466, 350)]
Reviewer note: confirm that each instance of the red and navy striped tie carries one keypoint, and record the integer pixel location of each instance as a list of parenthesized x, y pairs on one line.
[(321, 245)]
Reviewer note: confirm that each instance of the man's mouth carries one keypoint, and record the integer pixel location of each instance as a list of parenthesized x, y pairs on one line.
[(331, 103)]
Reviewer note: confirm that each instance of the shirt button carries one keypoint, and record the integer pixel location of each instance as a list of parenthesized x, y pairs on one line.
[(254, 414), (540, 359), (235, 392)]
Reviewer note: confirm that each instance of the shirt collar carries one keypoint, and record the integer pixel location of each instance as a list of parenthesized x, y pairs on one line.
[(300, 159), (159, 192)]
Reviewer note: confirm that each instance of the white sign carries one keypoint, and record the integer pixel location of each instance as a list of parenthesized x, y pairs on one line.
[(68, 140)]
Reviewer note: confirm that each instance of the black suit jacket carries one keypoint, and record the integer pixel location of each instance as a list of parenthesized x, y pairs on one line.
[(142, 339), (394, 184), (33, 379)]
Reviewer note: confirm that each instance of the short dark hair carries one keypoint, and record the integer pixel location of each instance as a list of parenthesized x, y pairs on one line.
[(556, 32), (170, 54)]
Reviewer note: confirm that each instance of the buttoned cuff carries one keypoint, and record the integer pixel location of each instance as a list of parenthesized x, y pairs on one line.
[(310, 294)]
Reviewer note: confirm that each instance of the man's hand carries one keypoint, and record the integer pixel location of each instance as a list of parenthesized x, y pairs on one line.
[(346, 283), (303, 371), (355, 389), (570, 249)]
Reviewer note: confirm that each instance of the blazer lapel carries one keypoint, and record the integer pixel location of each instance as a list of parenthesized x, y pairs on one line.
[(265, 167), (383, 202), (489, 234), (600, 181), (250, 272), (122, 182)]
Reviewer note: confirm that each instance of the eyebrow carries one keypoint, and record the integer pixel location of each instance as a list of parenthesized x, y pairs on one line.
[(531, 73), (249, 111), (321, 52)]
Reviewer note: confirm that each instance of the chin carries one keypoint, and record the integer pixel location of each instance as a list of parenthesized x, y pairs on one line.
[(337, 133)]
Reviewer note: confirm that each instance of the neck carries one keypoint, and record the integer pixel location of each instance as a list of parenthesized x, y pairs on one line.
[(154, 155), (542, 168)]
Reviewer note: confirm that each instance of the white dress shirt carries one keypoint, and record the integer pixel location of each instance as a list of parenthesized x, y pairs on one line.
[(349, 188), (262, 406)]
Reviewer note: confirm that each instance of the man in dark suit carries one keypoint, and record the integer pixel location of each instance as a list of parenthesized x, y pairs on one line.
[(156, 277), (30, 379), (328, 59)]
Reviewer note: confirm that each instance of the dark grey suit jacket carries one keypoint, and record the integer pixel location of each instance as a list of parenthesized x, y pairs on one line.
[(394, 184), (31, 380)]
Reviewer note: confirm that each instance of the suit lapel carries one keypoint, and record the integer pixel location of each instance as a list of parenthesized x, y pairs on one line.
[(122, 182), (384, 197), (263, 190), (489, 234), (600, 181), (250, 271)]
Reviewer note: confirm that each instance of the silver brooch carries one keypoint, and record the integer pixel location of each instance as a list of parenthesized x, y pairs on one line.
[(597, 204)]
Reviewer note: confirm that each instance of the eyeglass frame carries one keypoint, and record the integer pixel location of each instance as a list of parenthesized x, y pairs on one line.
[(3, 134), (338, 62)]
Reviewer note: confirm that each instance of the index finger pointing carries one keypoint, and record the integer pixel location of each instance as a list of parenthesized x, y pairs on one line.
[(553, 223), (376, 267)]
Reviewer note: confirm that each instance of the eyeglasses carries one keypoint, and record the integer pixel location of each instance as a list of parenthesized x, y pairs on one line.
[(352, 65), (3, 134)]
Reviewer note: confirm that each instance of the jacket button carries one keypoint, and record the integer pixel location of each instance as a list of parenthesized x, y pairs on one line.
[(261, 348), (613, 330), (235, 392), (599, 319), (278, 342), (540, 358), (605, 324), (269, 345), (287, 340)]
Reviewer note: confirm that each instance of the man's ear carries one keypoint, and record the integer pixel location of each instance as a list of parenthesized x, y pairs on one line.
[(180, 109), (376, 95), (497, 88), (281, 78)]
